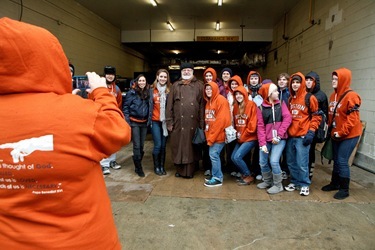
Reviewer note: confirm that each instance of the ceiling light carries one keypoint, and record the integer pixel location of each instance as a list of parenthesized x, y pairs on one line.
[(219, 2), (170, 27), (154, 3), (217, 26)]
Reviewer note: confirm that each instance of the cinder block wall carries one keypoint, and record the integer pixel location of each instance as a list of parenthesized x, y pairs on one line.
[(89, 42), (323, 37)]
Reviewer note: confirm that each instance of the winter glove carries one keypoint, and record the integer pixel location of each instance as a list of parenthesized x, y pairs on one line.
[(309, 137)]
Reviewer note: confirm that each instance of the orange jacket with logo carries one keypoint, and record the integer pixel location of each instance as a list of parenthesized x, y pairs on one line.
[(302, 122), (347, 119), (216, 115), (246, 123), (52, 191)]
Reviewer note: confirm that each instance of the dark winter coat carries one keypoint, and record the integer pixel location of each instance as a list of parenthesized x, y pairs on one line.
[(135, 107), (320, 95), (185, 112)]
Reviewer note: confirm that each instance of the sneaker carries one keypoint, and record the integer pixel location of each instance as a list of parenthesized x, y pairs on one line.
[(207, 172), (114, 165), (284, 175), (106, 170), (291, 187), (213, 183), (207, 179), (305, 191), (246, 180), (259, 177)]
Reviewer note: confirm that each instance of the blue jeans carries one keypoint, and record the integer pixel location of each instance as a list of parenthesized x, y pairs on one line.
[(160, 141), (139, 132), (239, 152), (274, 155), (297, 156), (214, 152), (341, 154)]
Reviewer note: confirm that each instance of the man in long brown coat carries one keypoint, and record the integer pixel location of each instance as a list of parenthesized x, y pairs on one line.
[(185, 112)]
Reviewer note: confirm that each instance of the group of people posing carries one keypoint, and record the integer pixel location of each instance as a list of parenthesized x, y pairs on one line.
[(274, 123)]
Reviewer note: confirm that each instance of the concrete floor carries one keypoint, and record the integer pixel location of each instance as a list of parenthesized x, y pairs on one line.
[(172, 213)]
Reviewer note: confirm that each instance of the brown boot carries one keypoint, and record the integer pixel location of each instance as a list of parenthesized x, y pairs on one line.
[(246, 180)]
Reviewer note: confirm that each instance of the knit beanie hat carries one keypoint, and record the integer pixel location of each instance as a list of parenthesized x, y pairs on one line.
[(272, 87), (297, 77), (228, 70), (109, 70)]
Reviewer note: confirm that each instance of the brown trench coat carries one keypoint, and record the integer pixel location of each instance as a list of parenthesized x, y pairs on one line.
[(185, 111)]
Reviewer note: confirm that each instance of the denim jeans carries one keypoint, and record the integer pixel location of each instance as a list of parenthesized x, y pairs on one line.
[(297, 156), (239, 152), (214, 152), (139, 132), (274, 155), (159, 139), (105, 162), (341, 154)]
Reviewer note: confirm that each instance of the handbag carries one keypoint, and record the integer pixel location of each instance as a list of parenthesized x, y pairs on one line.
[(327, 149), (230, 134), (199, 136)]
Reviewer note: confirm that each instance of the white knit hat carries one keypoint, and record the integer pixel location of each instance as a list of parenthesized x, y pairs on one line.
[(271, 88)]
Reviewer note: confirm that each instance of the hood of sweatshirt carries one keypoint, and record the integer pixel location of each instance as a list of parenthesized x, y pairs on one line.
[(345, 79), (215, 91), (316, 85), (212, 71), (237, 79), (256, 87), (29, 50), (243, 91), (302, 88)]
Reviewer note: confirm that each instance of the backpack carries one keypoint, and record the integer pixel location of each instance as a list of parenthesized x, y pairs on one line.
[(322, 131)]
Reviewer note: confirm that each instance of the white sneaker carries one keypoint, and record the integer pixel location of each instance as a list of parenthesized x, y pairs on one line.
[(305, 191), (207, 172), (114, 165), (106, 170), (291, 187)]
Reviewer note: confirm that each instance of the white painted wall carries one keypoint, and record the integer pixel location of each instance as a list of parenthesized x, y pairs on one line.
[(351, 33), (89, 42)]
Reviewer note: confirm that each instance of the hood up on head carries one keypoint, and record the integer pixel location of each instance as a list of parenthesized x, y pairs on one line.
[(253, 73), (302, 87), (316, 85), (32, 60), (237, 79), (213, 72), (243, 91), (266, 90), (215, 91), (345, 79)]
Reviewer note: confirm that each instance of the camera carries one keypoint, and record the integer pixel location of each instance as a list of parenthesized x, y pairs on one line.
[(81, 82)]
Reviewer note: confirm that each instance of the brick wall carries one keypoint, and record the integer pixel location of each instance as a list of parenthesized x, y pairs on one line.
[(343, 35)]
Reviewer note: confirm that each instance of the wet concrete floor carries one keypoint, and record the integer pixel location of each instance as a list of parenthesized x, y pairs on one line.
[(172, 213)]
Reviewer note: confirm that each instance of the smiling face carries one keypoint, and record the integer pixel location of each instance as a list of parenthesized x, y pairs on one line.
[(110, 77), (239, 97), (233, 85), (208, 77), (208, 91), (162, 78), (187, 73), (141, 82), (225, 76), (282, 82), (296, 85)]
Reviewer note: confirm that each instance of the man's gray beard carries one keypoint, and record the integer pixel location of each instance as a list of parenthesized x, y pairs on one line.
[(186, 77)]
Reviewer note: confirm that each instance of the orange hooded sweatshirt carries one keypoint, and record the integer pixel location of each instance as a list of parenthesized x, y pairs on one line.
[(249, 86), (213, 72), (245, 123), (301, 120), (348, 124), (52, 191), (216, 115)]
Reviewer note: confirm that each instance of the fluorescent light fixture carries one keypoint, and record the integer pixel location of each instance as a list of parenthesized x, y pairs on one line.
[(154, 3), (217, 25), (170, 27), (219, 2)]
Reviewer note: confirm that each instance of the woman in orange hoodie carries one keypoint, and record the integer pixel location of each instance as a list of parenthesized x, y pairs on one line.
[(346, 129), (217, 118), (245, 122), (51, 143), (301, 134)]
